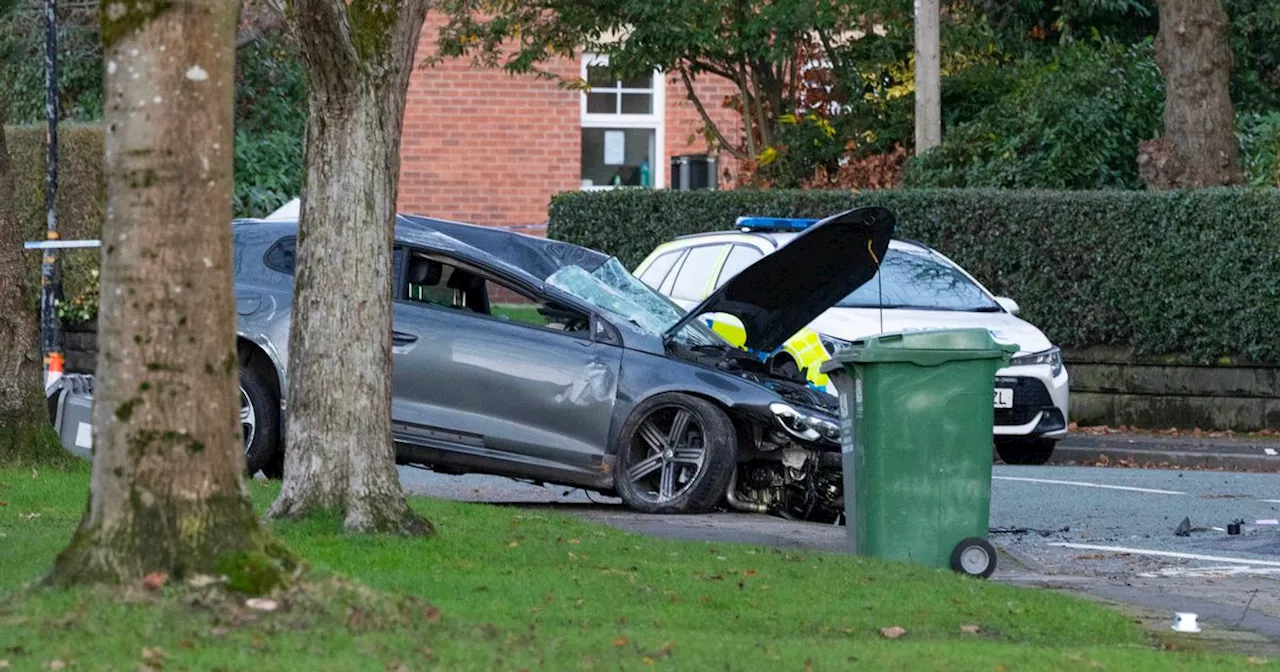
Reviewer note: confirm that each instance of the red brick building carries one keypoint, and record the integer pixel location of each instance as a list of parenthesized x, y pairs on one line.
[(486, 147)]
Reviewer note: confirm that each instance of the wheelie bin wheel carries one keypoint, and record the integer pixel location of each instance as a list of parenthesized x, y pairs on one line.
[(975, 557)]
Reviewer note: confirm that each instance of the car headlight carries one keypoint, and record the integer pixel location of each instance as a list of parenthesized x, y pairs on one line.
[(833, 344), (1052, 357), (805, 426)]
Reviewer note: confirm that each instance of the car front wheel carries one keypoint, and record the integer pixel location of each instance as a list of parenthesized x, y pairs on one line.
[(259, 420), (1032, 452), (676, 454)]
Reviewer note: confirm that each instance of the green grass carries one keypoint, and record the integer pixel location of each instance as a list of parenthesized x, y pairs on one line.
[(524, 313), (521, 589)]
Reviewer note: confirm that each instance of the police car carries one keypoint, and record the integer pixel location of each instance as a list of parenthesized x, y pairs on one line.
[(916, 288)]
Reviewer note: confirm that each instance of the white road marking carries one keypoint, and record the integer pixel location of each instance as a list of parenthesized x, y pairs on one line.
[(1167, 554), (1273, 501), (1209, 572), (1088, 485)]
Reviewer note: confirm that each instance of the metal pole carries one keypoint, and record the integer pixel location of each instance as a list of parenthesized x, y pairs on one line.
[(50, 269), (928, 77)]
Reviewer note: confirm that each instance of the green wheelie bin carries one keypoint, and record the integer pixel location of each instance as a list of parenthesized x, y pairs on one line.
[(917, 412)]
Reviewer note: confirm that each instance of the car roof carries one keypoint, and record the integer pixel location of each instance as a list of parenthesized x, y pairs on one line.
[(518, 254), (776, 239)]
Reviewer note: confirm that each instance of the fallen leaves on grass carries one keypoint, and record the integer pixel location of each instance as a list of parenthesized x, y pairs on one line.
[(621, 641), (892, 632), (261, 604), (431, 614), (1254, 660), (4, 664), (155, 580), (55, 665), (513, 544), (971, 629)]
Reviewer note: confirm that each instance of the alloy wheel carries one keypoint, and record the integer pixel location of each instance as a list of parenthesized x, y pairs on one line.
[(668, 453)]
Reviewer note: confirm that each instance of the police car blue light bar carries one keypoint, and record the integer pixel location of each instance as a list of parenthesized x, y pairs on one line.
[(773, 223)]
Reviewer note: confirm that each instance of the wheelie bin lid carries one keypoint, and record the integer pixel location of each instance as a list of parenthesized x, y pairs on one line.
[(926, 348)]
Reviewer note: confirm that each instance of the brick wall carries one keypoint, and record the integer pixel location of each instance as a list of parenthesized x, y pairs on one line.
[(684, 124), (485, 147)]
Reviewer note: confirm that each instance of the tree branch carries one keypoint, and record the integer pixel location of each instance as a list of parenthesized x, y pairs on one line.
[(748, 123), (733, 150)]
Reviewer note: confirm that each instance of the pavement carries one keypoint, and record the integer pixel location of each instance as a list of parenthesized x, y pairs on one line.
[(1229, 453), (1100, 533)]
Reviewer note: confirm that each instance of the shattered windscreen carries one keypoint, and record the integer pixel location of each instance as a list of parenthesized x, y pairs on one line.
[(618, 294)]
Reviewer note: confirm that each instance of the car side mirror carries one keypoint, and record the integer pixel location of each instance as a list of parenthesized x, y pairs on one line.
[(1010, 306)]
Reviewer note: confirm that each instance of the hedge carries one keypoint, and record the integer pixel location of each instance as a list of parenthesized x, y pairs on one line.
[(81, 196), (1191, 275)]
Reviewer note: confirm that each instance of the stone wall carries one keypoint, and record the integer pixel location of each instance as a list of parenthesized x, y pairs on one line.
[(1111, 387)]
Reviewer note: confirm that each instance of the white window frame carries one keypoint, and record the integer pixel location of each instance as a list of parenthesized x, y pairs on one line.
[(655, 121)]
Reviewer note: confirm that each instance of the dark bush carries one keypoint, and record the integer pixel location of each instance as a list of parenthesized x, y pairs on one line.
[(1193, 274), (1072, 123), (81, 198)]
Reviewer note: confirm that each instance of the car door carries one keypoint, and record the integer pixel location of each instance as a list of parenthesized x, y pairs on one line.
[(495, 377)]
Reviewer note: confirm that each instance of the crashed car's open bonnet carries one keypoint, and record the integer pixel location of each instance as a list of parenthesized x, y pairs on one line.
[(780, 294)]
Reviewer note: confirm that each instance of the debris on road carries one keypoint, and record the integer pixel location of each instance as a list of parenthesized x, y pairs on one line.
[(1233, 528), (1183, 529), (1026, 530), (1185, 621)]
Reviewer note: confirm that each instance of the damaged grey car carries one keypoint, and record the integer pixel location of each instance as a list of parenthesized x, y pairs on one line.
[(547, 362)]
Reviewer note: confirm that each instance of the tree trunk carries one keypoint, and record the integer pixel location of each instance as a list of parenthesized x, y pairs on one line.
[(1198, 148), (24, 421), (168, 491), (340, 452)]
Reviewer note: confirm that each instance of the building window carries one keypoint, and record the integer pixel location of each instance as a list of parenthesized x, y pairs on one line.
[(622, 128)]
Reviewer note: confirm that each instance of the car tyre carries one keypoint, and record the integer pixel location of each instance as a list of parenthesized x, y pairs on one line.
[(1034, 452), (676, 454), (260, 422)]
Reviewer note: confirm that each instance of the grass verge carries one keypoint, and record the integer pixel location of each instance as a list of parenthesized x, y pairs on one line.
[(511, 589)]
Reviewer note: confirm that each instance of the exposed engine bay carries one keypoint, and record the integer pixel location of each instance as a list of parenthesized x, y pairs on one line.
[(790, 468)]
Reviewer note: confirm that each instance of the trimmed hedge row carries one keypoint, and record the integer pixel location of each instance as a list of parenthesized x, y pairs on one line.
[(81, 196), (1191, 275)]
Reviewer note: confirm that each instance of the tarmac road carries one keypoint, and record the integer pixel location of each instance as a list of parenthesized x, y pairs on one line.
[(1119, 543)]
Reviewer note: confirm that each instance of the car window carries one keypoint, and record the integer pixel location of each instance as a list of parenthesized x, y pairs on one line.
[(658, 270), (691, 283), (667, 284), (282, 257), (922, 281), (436, 283), (740, 257)]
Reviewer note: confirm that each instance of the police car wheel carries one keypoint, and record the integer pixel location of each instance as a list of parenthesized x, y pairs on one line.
[(259, 421), (676, 454)]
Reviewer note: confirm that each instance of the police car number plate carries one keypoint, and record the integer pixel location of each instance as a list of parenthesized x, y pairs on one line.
[(1004, 397)]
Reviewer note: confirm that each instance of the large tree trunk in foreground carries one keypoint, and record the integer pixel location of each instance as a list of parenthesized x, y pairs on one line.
[(168, 492), (1198, 148), (24, 421), (340, 454)]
